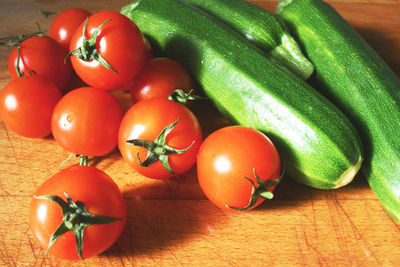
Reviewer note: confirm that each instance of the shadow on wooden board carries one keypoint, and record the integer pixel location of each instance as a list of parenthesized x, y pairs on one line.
[(157, 225)]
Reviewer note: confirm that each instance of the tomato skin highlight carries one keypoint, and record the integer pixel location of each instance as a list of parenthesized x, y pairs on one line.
[(65, 24), (26, 105), (159, 78), (45, 57), (86, 121), (145, 120), (101, 196), (119, 42), (230, 154)]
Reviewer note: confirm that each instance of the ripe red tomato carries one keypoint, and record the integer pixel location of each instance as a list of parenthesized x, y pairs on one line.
[(101, 197), (65, 23), (228, 158), (44, 56), (26, 105), (86, 121), (119, 42), (145, 120), (159, 78)]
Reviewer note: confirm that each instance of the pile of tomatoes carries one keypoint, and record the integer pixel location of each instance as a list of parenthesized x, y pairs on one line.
[(61, 86)]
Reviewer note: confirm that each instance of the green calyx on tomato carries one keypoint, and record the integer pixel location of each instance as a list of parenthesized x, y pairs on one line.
[(75, 219), (158, 149), (15, 40), (88, 51), (261, 190), (181, 97)]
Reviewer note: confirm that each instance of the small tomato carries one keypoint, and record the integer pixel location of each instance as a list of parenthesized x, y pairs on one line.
[(159, 138), (65, 24), (238, 167), (107, 50), (78, 213), (43, 56), (86, 121), (26, 105)]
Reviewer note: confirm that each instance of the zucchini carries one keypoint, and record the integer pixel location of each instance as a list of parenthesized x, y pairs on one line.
[(262, 29), (360, 83), (318, 144)]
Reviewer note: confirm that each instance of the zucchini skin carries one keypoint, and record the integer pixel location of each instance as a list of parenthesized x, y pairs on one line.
[(353, 76), (262, 29), (319, 146)]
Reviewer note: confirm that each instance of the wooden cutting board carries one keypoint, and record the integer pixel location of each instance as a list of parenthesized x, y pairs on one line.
[(170, 223)]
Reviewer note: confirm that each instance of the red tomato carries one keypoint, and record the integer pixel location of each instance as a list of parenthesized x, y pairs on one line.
[(119, 42), (230, 155), (26, 105), (101, 197), (44, 56), (145, 120), (65, 23), (159, 78), (86, 120)]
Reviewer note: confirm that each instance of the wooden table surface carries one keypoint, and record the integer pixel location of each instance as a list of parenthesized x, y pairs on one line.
[(170, 223)]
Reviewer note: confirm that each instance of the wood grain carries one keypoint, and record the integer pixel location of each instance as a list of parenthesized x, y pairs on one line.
[(170, 223)]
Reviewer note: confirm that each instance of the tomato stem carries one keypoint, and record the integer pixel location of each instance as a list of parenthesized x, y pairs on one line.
[(47, 13), (83, 160), (65, 161), (17, 69), (181, 97), (16, 39)]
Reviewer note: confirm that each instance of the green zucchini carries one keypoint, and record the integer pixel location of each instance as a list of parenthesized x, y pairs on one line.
[(357, 80), (318, 144), (262, 29)]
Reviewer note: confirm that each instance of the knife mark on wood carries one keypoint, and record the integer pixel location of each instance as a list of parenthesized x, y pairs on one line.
[(317, 252), (11, 143)]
